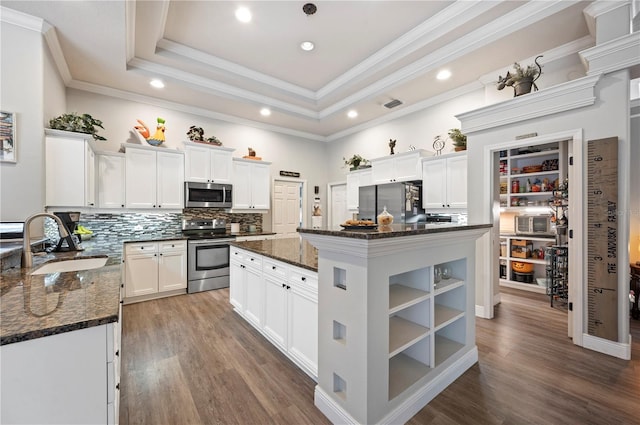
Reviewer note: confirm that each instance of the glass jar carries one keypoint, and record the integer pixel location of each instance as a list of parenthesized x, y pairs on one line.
[(384, 218)]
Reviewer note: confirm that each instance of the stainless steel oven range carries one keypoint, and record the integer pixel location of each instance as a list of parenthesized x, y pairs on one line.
[(207, 254)]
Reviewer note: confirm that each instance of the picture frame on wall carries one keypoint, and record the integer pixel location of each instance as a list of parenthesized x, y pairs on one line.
[(8, 137)]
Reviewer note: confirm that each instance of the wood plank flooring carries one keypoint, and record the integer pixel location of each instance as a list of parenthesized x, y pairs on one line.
[(191, 360)]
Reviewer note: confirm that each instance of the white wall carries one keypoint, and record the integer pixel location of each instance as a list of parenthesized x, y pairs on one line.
[(634, 225), (285, 152), (23, 82)]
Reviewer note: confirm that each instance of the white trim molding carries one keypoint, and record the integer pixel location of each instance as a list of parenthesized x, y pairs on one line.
[(614, 55), (563, 97), (621, 350)]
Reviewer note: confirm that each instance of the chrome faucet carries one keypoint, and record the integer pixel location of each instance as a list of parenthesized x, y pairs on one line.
[(27, 257)]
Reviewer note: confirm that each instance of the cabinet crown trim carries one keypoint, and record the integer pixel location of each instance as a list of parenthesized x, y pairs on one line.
[(416, 152), (125, 146), (208, 146), (252, 161)]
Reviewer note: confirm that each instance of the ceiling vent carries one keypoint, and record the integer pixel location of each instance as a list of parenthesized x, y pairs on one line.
[(392, 104)]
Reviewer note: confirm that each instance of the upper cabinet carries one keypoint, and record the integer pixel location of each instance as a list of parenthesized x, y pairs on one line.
[(70, 169), (251, 185), (110, 178), (207, 164), (400, 167), (154, 177), (444, 182), (356, 179)]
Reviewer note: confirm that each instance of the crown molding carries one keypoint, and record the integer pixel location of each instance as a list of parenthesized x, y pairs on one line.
[(20, 19), (598, 8), (130, 29), (233, 69), (133, 97), (563, 97), (220, 89), (620, 53)]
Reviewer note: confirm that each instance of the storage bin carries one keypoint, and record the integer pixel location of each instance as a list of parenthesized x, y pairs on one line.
[(521, 248)]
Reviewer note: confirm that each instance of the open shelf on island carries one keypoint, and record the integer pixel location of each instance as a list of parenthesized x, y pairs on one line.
[(404, 371), (443, 315), (447, 285), (404, 333), (401, 297), (445, 348)]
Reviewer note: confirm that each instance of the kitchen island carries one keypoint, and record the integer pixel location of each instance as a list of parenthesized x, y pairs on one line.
[(396, 317)]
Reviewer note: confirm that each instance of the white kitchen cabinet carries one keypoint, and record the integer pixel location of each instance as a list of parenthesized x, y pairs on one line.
[(251, 185), (281, 301), (155, 269), (154, 178), (110, 178), (70, 169), (67, 378), (445, 182), (356, 179), (400, 167), (246, 290), (207, 164)]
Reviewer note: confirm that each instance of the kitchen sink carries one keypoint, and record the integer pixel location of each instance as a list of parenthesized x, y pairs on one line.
[(71, 265)]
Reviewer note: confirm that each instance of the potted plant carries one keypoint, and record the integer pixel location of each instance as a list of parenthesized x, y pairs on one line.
[(459, 139), (522, 79), (84, 123), (355, 162)]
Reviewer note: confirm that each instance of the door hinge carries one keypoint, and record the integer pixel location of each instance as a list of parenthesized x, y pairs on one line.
[(570, 160), (570, 306), (571, 234)]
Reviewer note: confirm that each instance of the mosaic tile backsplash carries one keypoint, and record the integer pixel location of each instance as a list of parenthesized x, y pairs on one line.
[(111, 229)]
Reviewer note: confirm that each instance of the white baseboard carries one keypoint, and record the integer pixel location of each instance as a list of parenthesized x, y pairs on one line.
[(481, 311), (496, 299), (620, 350), (412, 405)]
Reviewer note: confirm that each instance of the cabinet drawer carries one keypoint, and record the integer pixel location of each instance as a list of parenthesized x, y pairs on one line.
[(176, 245), (274, 268), (303, 277), (236, 254), (141, 247), (252, 260)]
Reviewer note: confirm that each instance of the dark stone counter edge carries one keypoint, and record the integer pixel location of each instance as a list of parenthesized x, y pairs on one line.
[(274, 257), (57, 330), (381, 234)]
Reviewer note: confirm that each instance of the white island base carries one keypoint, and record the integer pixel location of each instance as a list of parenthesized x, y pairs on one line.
[(390, 338)]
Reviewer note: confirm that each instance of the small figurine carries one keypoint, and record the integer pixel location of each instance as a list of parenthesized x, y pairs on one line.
[(252, 152), (317, 212), (158, 136), (392, 144)]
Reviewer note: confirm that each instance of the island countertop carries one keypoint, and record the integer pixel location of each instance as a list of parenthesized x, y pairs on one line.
[(33, 306), (394, 230), (291, 250)]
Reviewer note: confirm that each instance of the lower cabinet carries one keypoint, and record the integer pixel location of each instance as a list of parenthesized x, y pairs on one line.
[(281, 301), (154, 269), (72, 377)]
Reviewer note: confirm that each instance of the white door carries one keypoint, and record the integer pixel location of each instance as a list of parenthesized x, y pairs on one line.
[(286, 207), (260, 186), (339, 211)]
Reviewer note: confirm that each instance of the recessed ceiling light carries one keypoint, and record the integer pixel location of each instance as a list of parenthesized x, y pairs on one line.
[(265, 112), (352, 113), (157, 83), (307, 46), (243, 14), (444, 74)]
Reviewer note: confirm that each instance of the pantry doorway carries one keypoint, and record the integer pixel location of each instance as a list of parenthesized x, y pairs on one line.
[(288, 207)]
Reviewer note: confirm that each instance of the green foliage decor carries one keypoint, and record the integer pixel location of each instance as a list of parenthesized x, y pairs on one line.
[(84, 123)]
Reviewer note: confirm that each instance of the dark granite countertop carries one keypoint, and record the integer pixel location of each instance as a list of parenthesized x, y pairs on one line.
[(33, 306), (394, 230), (291, 250)]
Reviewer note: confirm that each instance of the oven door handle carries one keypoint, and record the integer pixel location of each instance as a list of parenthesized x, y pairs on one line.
[(211, 242)]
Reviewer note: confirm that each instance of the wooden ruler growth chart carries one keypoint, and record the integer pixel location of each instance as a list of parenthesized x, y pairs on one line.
[(602, 238)]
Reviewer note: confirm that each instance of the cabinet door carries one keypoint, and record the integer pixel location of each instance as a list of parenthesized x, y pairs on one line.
[(141, 274), (170, 180), (89, 176), (275, 310), (353, 187), (197, 164), (64, 170), (254, 297), (303, 327), (220, 164), (140, 182), (457, 182), (110, 181), (236, 285), (434, 184), (241, 185), (407, 168), (383, 171), (172, 270), (260, 187)]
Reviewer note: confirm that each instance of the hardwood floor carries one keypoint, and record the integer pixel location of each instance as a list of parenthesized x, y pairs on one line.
[(191, 360)]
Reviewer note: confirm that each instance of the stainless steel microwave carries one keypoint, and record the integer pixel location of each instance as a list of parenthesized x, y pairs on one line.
[(534, 225), (207, 195)]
